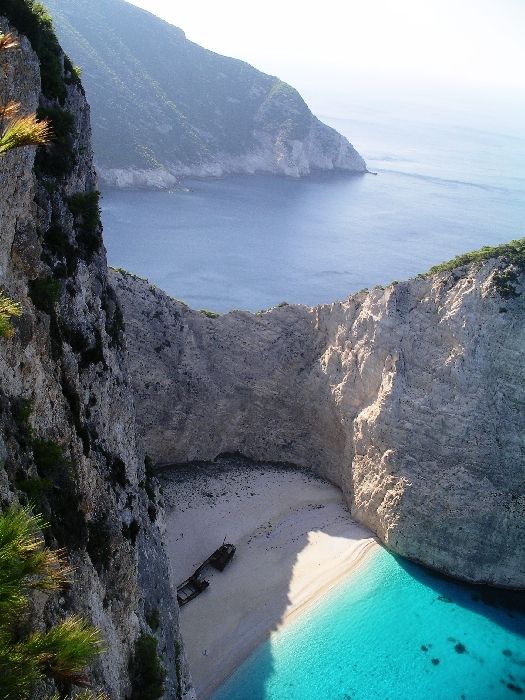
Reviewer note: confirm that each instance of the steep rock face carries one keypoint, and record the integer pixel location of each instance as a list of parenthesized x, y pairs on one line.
[(410, 398), (67, 421), (164, 107)]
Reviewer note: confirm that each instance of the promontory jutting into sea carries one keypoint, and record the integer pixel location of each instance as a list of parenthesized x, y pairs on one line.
[(276, 449)]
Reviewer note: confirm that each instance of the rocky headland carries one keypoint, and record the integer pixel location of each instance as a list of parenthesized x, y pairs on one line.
[(165, 108)]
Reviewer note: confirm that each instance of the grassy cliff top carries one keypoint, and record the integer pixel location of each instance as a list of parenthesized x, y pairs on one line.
[(513, 252)]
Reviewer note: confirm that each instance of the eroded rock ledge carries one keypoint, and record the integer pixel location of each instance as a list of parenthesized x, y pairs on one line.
[(410, 398)]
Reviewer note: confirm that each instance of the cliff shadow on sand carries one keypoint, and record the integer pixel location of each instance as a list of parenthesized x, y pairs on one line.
[(295, 541)]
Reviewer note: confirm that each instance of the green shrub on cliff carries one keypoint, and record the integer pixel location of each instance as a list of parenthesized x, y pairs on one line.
[(86, 206), (57, 158), (9, 309), (61, 504), (44, 292), (513, 252), (86, 209), (147, 673), (29, 656), (32, 19), (73, 74)]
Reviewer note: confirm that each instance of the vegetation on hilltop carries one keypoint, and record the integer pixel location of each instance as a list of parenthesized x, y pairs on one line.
[(157, 98), (503, 280), (284, 110), (513, 252)]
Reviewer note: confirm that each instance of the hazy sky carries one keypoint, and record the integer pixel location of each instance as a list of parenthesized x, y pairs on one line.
[(411, 49)]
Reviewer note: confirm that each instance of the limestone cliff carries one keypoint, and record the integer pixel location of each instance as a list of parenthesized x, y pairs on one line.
[(410, 398), (67, 422), (165, 107)]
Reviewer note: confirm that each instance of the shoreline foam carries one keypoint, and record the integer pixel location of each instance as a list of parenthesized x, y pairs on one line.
[(295, 542)]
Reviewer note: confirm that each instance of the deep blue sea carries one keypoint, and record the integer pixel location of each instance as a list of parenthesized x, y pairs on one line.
[(392, 631), (252, 242)]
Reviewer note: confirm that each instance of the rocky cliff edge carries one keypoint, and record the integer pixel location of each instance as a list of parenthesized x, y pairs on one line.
[(68, 440), (410, 398)]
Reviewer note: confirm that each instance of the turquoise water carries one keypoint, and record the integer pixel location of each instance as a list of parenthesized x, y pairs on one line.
[(394, 631)]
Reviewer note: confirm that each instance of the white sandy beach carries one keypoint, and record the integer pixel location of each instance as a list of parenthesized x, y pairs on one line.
[(295, 540)]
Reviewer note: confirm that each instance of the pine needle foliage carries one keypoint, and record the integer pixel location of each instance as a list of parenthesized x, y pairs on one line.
[(24, 131), (7, 42), (66, 649), (27, 657), (25, 563), (9, 309), (10, 110), (17, 129)]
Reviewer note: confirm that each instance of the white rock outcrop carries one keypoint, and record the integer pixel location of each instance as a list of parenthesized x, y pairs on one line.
[(410, 398), (323, 149), (137, 178)]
